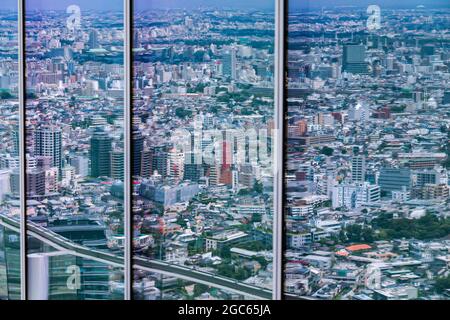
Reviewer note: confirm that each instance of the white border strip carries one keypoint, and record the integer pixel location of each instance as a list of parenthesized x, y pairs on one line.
[(127, 149), (278, 152)]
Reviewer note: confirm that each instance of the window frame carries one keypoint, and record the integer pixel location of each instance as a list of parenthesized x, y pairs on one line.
[(278, 167)]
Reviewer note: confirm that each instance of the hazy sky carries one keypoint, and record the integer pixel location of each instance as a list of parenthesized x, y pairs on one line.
[(8, 4), (83, 4), (143, 4), (189, 4)]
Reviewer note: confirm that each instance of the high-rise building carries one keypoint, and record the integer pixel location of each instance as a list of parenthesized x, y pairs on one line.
[(15, 181), (359, 112), (93, 40), (392, 179), (354, 59), (160, 162), (175, 164), (137, 148), (100, 154), (427, 50), (354, 195), (81, 165), (358, 168), (44, 162), (48, 142), (192, 170), (146, 163), (226, 176), (169, 194), (426, 176), (16, 146), (214, 175), (302, 127), (446, 99), (229, 63), (418, 96), (117, 164), (51, 180), (246, 176), (35, 182), (136, 39)]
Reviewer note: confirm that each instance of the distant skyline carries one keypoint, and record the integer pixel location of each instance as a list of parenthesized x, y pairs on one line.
[(298, 4), (194, 4)]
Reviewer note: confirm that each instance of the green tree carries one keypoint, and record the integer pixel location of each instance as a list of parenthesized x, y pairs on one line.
[(327, 151), (182, 113), (200, 288), (258, 187), (4, 95), (442, 284)]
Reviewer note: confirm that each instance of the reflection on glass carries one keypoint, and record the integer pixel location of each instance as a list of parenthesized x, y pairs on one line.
[(154, 286), (75, 132), (367, 182), (9, 264), (202, 162), (9, 154)]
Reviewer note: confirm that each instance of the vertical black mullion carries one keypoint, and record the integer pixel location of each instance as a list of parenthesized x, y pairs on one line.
[(285, 30), (130, 165)]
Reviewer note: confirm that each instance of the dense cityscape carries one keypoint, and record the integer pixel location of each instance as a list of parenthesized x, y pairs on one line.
[(367, 171), (203, 110), (367, 149), (9, 121)]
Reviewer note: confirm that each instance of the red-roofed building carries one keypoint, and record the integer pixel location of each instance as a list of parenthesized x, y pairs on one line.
[(358, 247)]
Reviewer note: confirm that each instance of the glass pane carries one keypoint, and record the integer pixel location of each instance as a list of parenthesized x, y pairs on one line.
[(367, 182), (75, 158), (155, 286), (202, 117), (9, 153)]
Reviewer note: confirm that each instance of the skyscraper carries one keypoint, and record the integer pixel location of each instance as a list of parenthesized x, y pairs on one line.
[(160, 162), (146, 163), (192, 170), (229, 62), (93, 40), (137, 148), (353, 60), (48, 142), (100, 154)]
